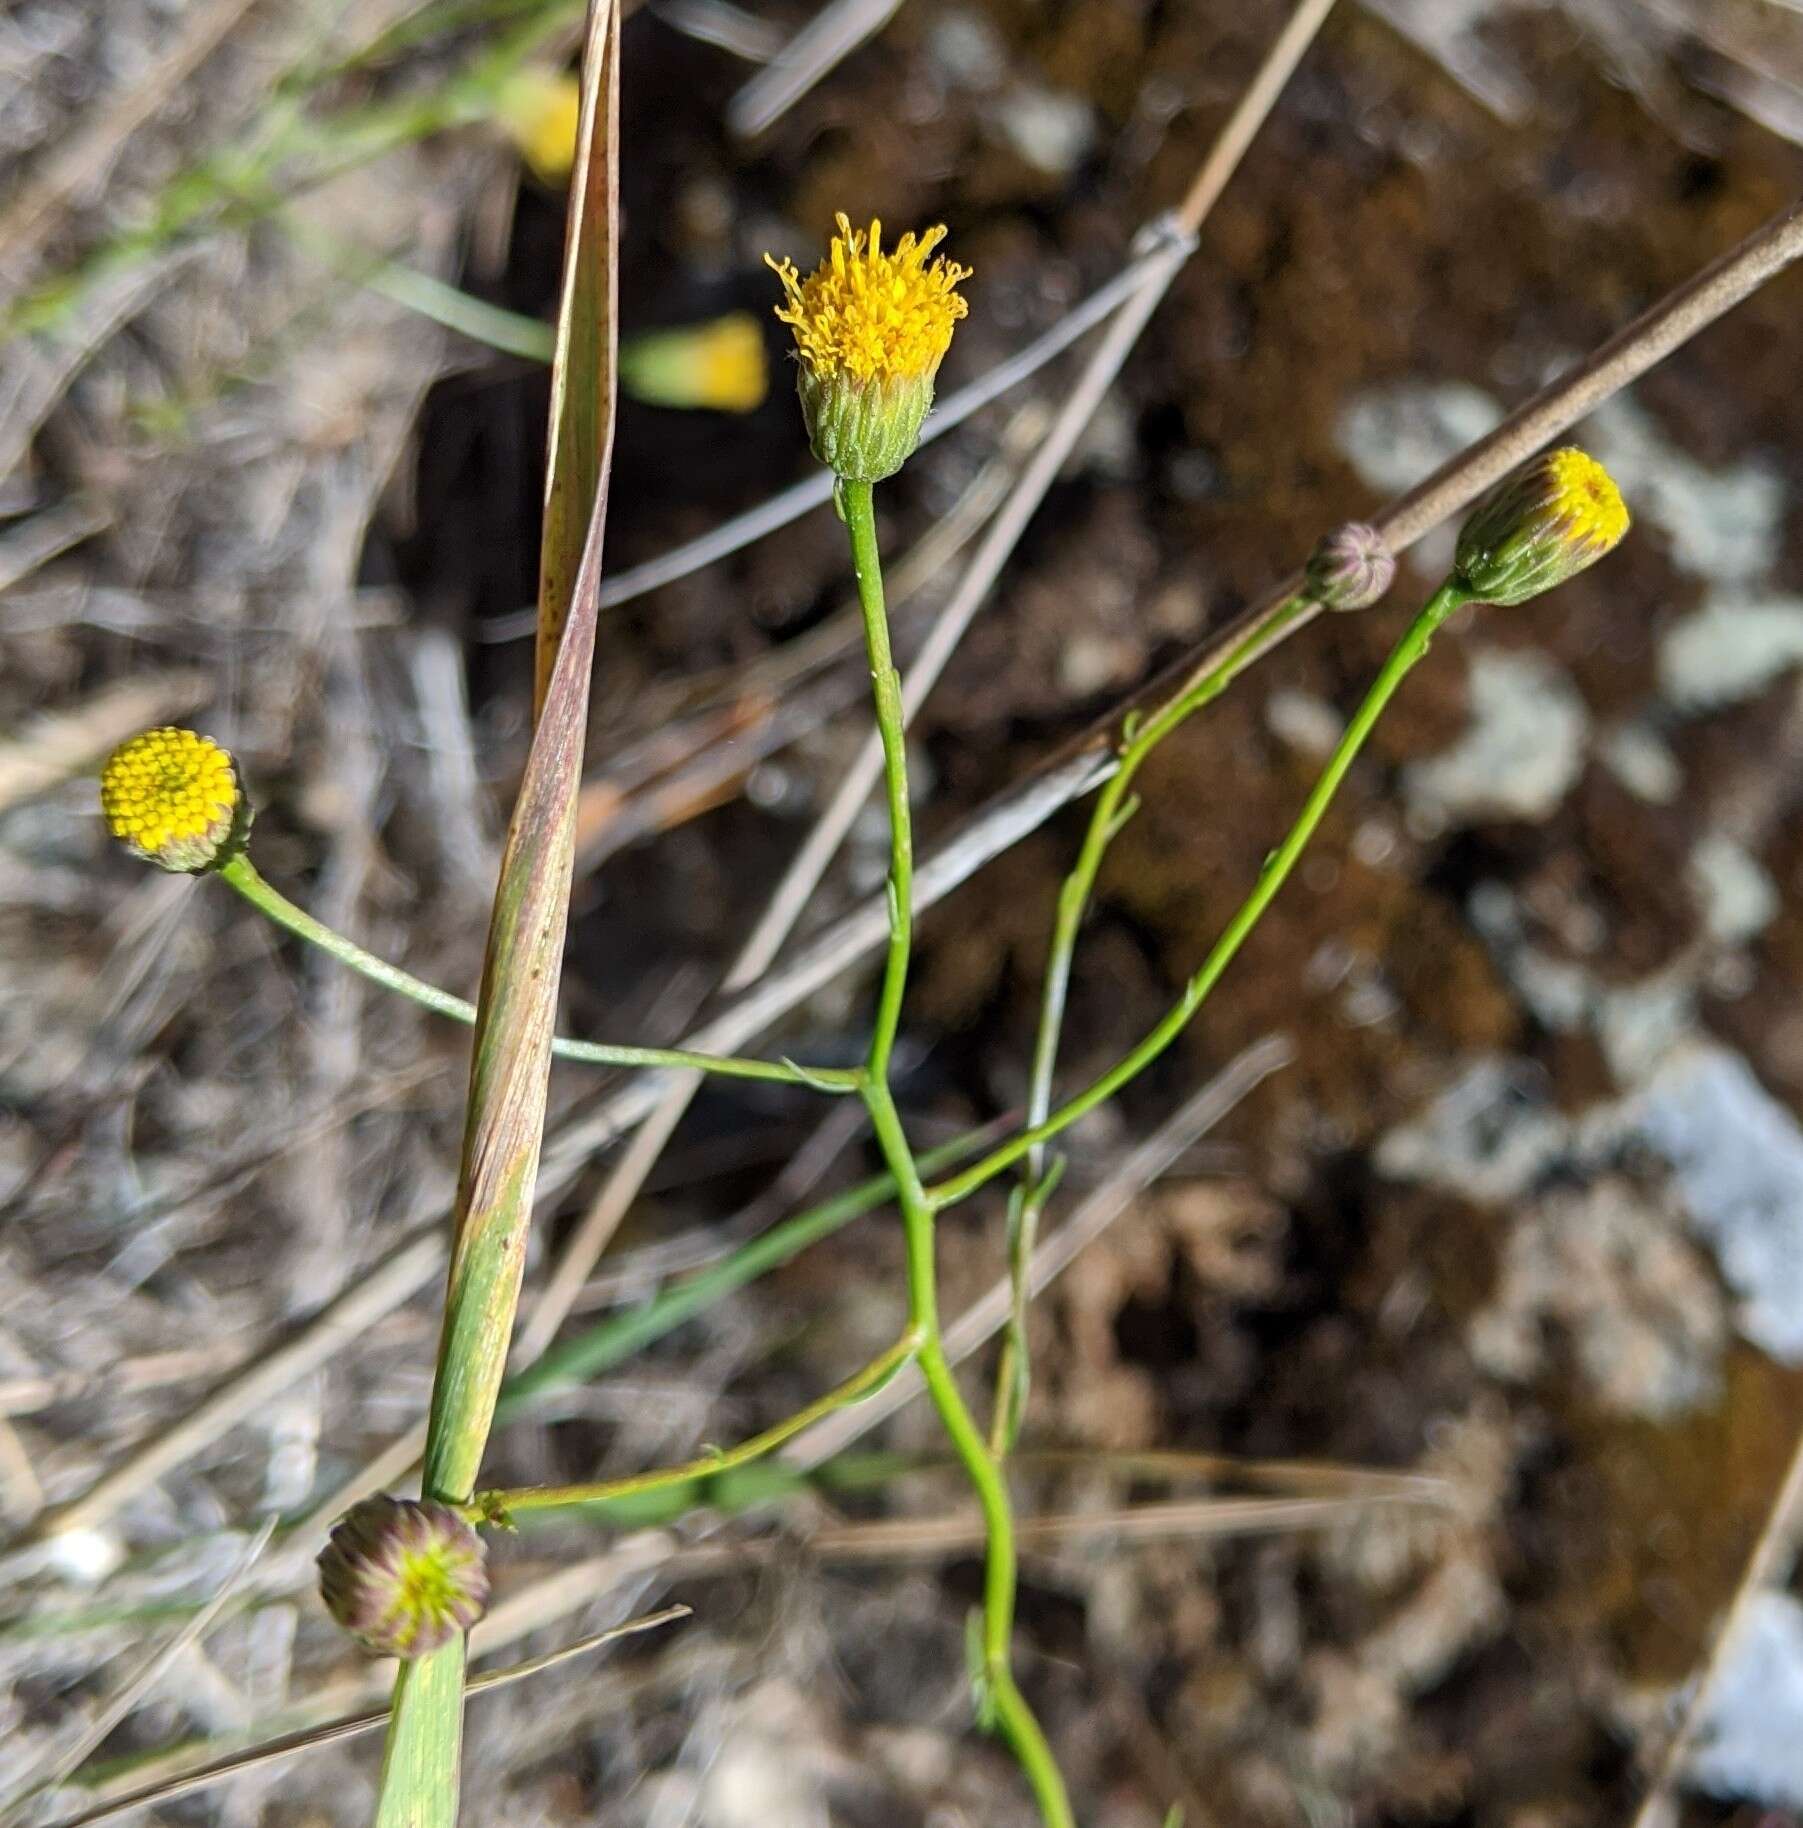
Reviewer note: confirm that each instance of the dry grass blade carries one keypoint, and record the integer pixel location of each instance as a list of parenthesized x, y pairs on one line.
[(141, 1681), (509, 1075), (819, 47), (504, 1128), (1767, 1568), (1296, 1478), (582, 369), (351, 1726), (49, 534), (151, 1371), (1167, 1520)]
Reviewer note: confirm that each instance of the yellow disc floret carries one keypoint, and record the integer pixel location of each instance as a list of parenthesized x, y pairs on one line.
[(1585, 499), (1554, 516), (871, 328), (174, 799), (871, 316)]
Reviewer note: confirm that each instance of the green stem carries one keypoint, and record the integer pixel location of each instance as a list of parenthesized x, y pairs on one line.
[(1111, 811), (1002, 1700), (618, 1339), (500, 1507), (244, 876), (855, 503), (1407, 652)]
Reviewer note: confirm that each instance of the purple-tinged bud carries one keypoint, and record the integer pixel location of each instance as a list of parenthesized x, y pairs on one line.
[(404, 1576), (1351, 568)]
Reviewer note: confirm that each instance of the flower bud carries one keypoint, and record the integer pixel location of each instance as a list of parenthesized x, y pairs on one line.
[(404, 1576), (1542, 525), (175, 799), (1351, 568), (870, 332)]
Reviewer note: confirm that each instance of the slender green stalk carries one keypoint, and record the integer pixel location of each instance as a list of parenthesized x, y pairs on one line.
[(1407, 652), (501, 1507), (1002, 1701), (855, 503), (244, 876), (422, 1755), (1112, 809)]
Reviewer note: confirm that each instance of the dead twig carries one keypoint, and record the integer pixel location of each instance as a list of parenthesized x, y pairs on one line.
[(1767, 1568)]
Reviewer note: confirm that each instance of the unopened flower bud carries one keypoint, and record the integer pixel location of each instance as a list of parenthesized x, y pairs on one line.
[(404, 1576), (1544, 524), (174, 798), (871, 329), (1351, 568)]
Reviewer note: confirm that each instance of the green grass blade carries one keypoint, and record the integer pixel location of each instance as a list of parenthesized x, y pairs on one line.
[(515, 1010), (421, 1755)]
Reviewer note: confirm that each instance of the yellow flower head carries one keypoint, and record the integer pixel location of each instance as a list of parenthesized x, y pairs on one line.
[(719, 365), (871, 316), (174, 799), (871, 328), (1544, 524)]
